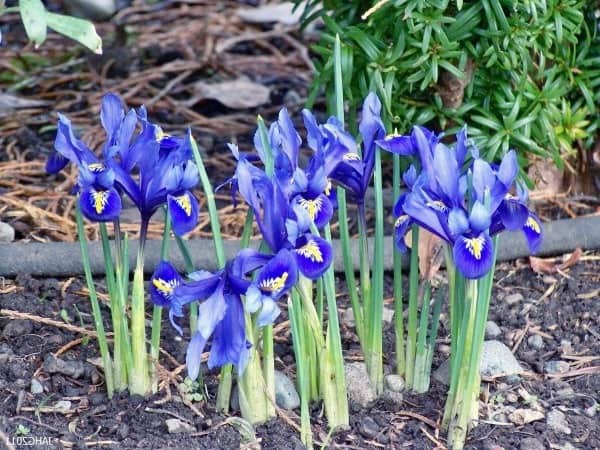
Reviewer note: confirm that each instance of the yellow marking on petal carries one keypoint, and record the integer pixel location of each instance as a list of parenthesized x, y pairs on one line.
[(96, 167), (165, 287), (533, 224), (184, 203), (351, 156), (328, 188), (393, 134), (312, 207), (400, 220), (159, 135), (311, 251), (99, 200), (274, 284), (438, 205), (475, 246)]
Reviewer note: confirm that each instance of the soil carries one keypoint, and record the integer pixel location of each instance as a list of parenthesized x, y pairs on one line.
[(562, 309)]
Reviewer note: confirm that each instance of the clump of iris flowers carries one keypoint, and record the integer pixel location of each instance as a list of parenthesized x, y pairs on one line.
[(154, 171), (466, 202)]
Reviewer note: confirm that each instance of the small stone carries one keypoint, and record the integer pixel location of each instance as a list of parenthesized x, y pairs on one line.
[(7, 233), (496, 360), (511, 397), (291, 99), (73, 369), (16, 328), (535, 341), (95, 377), (566, 391), (36, 386), (97, 398), (286, 396), (522, 416), (348, 317), (387, 315), (123, 431), (5, 353), (492, 330), (591, 411), (92, 9), (531, 444), (568, 446), (63, 406), (394, 383), (176, 426), (551, 367), (368, 427), (360, 389), (566, 346), (513, 379), (513, 299), (557, 421)]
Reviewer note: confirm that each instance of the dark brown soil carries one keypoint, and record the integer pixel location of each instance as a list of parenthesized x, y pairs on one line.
[(566, 317)]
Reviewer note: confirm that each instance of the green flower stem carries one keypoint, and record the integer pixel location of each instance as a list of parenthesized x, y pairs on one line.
[(412, 307), (96, 313), (157, 310), (336, 407), (420, 381), (319, 300), (374, 308), (298, 337), (120, 351), (349, 266), (139, 382), (365, 270), (313, 333), (398, 306)]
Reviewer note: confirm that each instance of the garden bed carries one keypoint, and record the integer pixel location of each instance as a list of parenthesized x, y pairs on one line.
[(562, 309)]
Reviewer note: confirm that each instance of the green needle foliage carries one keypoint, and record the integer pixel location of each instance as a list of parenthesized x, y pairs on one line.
[(523, 74)]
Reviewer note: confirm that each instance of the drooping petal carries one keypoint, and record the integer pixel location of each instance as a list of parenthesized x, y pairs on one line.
[(211, 312), (461, 146), (513, 213), (100, 205), (484, 179), (193, 356), (184, 212), (401, 227), (410, 176), (371, 129), (69, 146), (474, 255), (229, 344), (314, 256), (278, 276), (446, 173), (164, 280), (397, 144), (509, 168), (199, 289), (319, 209), (533, 232), (254, 299)]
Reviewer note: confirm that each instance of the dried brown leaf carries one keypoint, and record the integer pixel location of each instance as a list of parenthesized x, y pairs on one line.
[(430, 252), (240, 93), (550, 265)]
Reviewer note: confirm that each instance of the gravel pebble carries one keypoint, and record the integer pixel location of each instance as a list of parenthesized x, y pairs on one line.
[(360, 389), (513, 299), (368, 427), (531, 444), (36, 386), (557, 421), (16, 328), (556, 367), (7, 233), (492, 330), (176, 426), (535, 341)]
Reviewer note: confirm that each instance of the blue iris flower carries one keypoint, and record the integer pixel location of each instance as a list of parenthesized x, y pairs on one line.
[(138, 159), (354, 171), (220, 310), (463, 206)]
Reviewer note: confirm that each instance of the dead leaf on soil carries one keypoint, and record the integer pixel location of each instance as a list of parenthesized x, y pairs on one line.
[(430, 252), (523, 416), (9, 103), (240, 93), (271, 12), (550, 265)]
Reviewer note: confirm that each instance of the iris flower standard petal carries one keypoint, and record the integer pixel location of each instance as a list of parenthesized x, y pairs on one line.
[(313, 255), (164, 280), (100, 205), (184, 212), (473, 255)]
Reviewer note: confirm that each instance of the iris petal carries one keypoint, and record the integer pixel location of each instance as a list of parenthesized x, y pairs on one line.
[(229, 338), (268, 313), (163, 282), (479, 218), (278, 276), (55, 163), (314, 256), (319, 209), (184, 212), (533, 232), (399, 145), (100, 205), (401, 227), (513, 213), (474, 255), (193, 356)]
